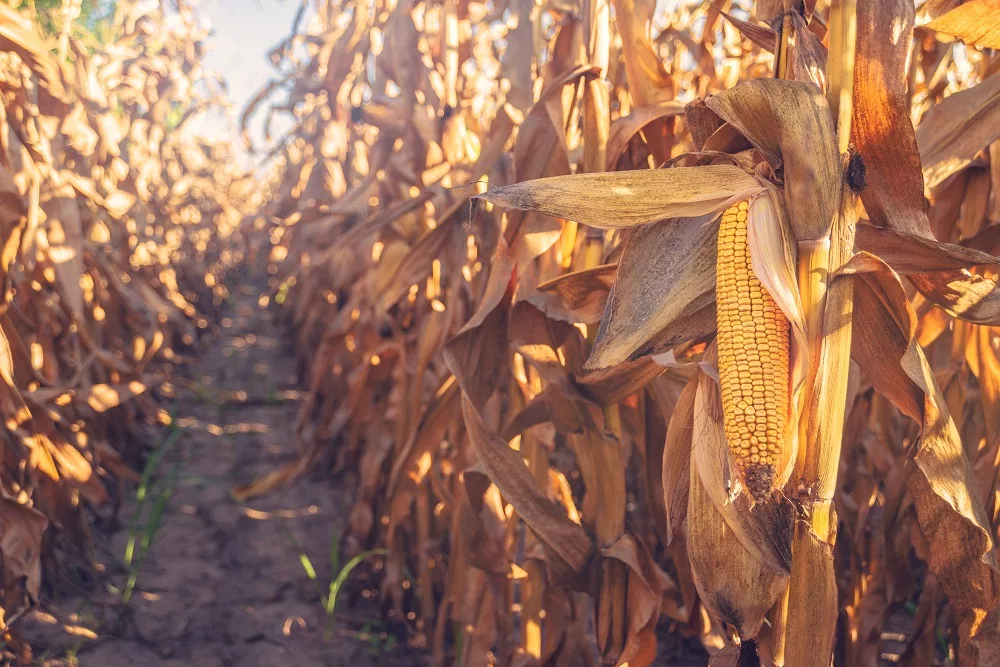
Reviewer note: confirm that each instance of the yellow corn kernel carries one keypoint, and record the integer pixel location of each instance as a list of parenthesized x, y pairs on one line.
[(753, 359)]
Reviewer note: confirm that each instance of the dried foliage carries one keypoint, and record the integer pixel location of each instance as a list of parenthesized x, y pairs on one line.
[(117, 225), (522, 379)]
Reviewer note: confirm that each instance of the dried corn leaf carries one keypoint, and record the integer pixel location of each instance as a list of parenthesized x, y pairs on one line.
[(635, 197), (482, 521), (762, 36), (701, 121), (809, 55), (953, 131), (938, 476), (967, 296), (973, 22), (561, 537), (677, 459), (791, 121), (646, 306), (733, 582), (765, 530), (478, 352), (646, 583), (913, 253), (648, 81), (940, 271), (21, 528), (609, 386), (625, 129), (580, 296), (415, 265)]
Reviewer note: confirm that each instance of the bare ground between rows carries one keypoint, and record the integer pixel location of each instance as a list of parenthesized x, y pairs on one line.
[(223, 583)]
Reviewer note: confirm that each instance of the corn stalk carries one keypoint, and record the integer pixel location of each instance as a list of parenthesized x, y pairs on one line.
[(811, 605)]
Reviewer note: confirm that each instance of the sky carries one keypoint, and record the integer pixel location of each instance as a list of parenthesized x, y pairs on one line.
[(243, 32)]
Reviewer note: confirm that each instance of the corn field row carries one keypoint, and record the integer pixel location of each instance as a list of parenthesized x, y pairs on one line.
[(576, 410), (117, 228), (630, 323)]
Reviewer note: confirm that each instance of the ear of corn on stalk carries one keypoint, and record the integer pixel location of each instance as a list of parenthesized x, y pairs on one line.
[(753, 359)]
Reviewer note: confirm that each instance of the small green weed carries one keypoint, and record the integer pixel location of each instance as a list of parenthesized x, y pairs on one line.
[(147, 518), (328, 595)]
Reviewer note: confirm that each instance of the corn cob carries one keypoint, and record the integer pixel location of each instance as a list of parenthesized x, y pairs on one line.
[(753, 359)]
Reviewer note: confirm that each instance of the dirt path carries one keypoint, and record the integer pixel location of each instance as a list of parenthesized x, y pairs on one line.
[(223, 583)]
